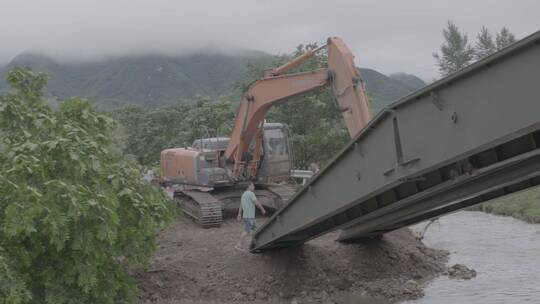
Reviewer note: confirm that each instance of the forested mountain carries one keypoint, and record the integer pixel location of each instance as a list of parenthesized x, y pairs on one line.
[(409, 80), (384, 90), (145, 80), (153, 80)]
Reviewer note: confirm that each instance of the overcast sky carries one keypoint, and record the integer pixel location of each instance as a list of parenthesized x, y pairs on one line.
[(389, 36)]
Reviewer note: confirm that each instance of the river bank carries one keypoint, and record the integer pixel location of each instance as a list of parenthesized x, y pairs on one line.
[(524, 205), (194, 265), (504, 252)]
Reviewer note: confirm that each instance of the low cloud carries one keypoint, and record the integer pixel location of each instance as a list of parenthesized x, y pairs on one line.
[(389, 36)]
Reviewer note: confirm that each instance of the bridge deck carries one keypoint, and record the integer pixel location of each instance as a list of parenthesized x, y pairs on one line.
[(467, 138)]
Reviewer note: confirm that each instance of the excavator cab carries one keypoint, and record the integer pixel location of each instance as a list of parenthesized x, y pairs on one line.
[(276, 158)]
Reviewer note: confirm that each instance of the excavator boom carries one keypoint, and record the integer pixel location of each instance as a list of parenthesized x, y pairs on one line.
[(341, 74)]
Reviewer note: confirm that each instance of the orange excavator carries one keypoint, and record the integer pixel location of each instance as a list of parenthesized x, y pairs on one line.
[(207, 179)]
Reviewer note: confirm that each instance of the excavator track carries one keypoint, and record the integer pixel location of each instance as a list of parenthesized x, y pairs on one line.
[(201, 206), (210, 208)]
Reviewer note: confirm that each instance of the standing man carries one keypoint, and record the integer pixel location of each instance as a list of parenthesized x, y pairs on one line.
[(246, 213)]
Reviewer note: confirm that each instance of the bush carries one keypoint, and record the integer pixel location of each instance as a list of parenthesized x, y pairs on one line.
[(74, 213)]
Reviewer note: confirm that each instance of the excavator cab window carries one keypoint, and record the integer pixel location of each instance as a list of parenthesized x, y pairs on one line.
[(276, 159), (276, 144)]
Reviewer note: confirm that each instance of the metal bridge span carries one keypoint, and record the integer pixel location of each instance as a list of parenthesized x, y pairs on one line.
[(465, 139)]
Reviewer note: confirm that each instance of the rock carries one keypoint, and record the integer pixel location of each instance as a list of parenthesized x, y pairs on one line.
[(269, 279), (411, 284), (250, 291), (237, 296), (324, 294), (460, 271), (412, 288), (261, 295), (342, 284)]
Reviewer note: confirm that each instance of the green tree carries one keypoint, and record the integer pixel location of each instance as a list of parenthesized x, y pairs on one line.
[(504, 38), (74, 213), (485, 45), (456, 52), (149, 131), (210, 119)]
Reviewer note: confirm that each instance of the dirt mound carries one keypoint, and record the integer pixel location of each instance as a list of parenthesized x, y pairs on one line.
[(194, 265)]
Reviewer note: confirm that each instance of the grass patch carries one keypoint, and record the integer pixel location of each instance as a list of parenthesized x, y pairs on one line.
[(524, 205)]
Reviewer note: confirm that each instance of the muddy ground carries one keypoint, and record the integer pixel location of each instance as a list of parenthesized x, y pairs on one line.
[(201, 266)]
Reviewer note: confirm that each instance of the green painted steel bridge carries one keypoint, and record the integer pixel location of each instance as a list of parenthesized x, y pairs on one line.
[(468, 138)]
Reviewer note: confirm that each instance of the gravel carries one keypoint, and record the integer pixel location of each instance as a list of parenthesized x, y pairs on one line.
[(201, 266)]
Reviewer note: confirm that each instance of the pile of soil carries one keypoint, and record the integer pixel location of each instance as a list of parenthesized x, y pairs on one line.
[(201, 266)]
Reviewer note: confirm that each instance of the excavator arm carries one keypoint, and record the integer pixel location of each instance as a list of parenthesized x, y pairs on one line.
[(341, 74)]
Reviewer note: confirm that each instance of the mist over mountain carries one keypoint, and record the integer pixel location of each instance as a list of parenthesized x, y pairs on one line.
[(152, 80)]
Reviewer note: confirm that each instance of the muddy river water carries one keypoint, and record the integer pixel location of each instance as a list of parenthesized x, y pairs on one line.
[(504, 251)]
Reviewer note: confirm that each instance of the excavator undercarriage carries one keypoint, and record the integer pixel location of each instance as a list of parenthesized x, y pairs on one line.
[(209, 208)]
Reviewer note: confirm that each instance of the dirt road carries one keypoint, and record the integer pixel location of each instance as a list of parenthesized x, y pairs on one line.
[(201, 266)]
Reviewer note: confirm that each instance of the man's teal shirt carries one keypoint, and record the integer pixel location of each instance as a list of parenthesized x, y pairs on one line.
[(248, 204)]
